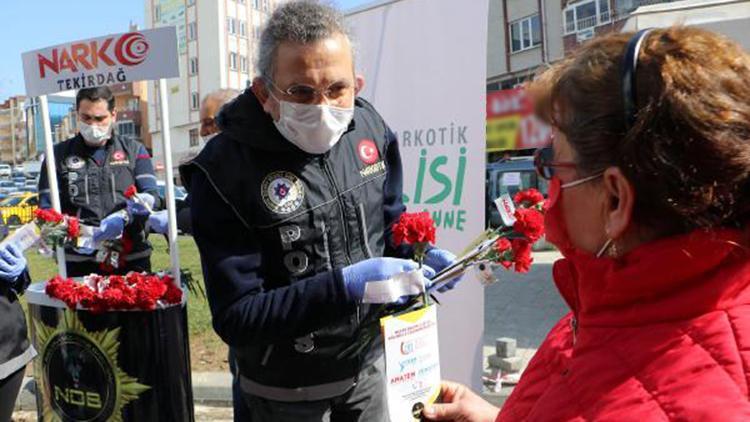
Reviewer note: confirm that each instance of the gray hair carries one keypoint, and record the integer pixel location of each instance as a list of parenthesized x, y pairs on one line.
[(302, 22), (221, 96)]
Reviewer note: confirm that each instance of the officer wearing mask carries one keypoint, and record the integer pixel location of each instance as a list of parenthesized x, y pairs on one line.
[(94, 168), (292, 206), (210, 107)]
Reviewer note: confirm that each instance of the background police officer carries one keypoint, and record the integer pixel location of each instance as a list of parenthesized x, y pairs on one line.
[(292, 206), (94, 168)]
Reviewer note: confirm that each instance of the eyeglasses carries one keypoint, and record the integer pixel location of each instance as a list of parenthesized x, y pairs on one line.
[(306, 94), (545, 164)]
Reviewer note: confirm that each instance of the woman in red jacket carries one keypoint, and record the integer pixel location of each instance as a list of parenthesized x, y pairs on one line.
[(650, 205)]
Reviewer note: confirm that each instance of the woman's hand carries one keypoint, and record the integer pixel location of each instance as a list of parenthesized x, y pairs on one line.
[(460, 404)]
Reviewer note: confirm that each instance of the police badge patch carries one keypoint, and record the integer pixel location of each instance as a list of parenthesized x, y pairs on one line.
[(282, 192), (74, 162)]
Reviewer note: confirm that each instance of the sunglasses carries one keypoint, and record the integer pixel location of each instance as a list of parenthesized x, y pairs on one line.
[(545, 164)]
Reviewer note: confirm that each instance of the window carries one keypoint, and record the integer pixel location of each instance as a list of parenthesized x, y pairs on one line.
[(157, 12), (241, 1), (233, 61), (193, 66), (243, 64), (134, 104), (194, 139), (194, 101), (265, 6), (585, 15), (126, 129), (256, 4), (243, 29), (192, 31), (231, 25), (525, 34), (190, 2), (256, 32)]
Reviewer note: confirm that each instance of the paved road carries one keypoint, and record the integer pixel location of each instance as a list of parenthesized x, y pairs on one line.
[(523, 306)]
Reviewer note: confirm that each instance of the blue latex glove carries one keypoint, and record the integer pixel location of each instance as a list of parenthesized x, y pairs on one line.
[(12, 263), (439, 259), (111, 227), (138, 208), (159, 222), (356, 276)]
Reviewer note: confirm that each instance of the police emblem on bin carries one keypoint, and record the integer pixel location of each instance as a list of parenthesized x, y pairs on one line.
[(282, 192), (80, 376)]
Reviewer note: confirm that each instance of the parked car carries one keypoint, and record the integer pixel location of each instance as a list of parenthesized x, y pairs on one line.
[(511, 176), (180, 193), (7, 187), (19, 208), (5, 170), (31, 183), (31, 169)]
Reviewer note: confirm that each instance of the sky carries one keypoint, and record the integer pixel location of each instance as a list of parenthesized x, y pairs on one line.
[(31, 24)]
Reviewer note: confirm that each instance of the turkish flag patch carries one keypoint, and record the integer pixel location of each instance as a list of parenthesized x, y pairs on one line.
[(368, 151)]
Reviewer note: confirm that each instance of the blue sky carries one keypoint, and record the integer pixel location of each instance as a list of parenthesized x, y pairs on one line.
[(30, 24)]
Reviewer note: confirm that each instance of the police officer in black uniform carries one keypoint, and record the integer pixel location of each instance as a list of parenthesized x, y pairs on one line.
[(94, 169), (15, 350), (292, 206)]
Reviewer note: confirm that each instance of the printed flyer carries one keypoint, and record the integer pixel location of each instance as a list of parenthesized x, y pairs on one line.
[(412, 362)]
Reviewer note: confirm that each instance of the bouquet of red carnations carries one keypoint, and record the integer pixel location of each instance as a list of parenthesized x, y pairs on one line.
[(508, 245), (135, 291), (57, 229)]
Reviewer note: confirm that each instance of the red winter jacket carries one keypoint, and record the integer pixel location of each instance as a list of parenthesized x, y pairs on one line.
[(663, 335)]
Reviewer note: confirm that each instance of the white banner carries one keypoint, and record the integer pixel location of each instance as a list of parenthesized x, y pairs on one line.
[(108, 60), (424, 62)]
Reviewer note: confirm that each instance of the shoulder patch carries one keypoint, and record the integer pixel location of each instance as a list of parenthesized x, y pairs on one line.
[(282, 192)]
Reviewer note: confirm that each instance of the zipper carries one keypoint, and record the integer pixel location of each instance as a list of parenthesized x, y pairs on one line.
[(365, 235), (114, 194), (266, 355), (86, 187), (329, 174), (574, 328)]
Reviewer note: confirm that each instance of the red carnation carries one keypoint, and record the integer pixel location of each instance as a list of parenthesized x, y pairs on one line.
[(528, 198), (529, 223), (414, 228), (130, 191), (48, 215), (74, 228), (173, 294), (502, 249), (522, 255)]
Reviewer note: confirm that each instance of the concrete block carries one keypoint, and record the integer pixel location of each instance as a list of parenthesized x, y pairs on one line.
[(505, 347), (507, 365)]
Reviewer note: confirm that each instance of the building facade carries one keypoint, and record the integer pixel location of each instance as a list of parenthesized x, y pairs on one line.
[(131, 106), (524, 35), (217, 40), (63, 123), (13, 141)]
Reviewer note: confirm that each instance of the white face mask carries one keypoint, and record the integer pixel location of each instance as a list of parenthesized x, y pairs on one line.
[(315, 129), (93, 135)]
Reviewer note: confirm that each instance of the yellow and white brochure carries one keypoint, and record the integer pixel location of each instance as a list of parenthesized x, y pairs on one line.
[(412, 362)]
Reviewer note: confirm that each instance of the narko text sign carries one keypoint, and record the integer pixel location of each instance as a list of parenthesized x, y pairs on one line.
[(108, 60)]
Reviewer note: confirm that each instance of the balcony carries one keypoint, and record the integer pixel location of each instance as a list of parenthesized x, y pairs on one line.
[(623, 8)]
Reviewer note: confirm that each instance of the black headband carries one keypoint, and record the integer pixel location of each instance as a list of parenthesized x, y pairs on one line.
[(629, 65)]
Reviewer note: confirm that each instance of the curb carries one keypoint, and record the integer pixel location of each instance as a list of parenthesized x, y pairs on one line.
[(209, 388)]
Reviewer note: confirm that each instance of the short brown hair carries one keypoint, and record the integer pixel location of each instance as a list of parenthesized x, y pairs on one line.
[(688, 152)]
